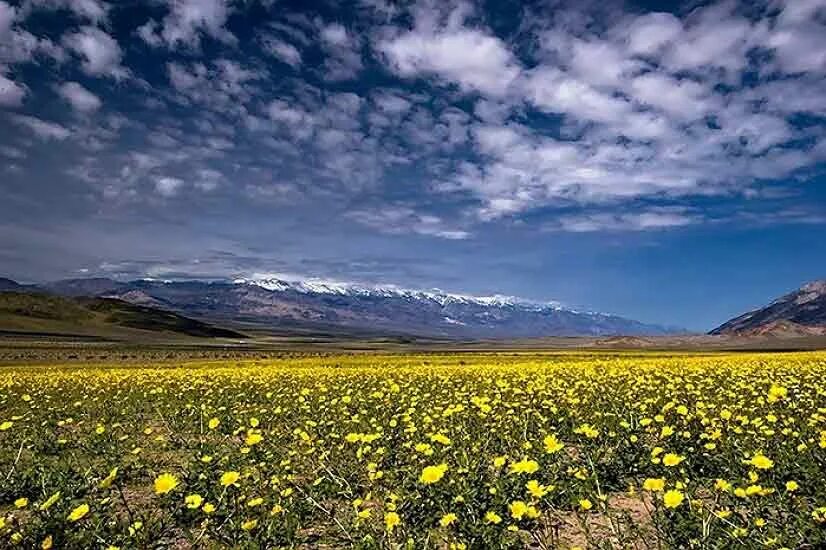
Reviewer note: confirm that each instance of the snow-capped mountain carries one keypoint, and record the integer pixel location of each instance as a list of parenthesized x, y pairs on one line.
[(282, 304), (319, 286)]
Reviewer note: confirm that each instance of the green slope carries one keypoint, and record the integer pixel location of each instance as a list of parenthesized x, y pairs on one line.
[(49, 314)]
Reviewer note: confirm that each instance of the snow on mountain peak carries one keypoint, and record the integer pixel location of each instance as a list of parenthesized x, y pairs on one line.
[(325, 286)]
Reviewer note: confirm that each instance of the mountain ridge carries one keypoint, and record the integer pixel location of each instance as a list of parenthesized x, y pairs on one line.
[(273, 302)]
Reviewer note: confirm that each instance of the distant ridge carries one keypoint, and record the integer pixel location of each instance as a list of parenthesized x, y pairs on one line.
[(274, 303), (801, 313)]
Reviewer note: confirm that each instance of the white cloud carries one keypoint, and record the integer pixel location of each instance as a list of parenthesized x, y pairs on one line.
[(556, 91), (647, 34), (11, 93), (100, 52), (798, 38), (343, 50), (633, 221), (391, 103), (684, 99), (801, 48), (8, 14), (471, 57), (714, 38), (81, 99), (226, 84), (167, 186), (41, 128), (186, 21), (281, 50), (18, 45), (396, 220), (600, 63)]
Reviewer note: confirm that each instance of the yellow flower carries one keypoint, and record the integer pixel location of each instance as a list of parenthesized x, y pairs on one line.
[(654, 484), (722, 485), (672, 459), (213, 423), (253, 439), (777, 393), (552, 445), (21, 502), (193, 502), (229, 478), (47, 543), (536, 489), (164, 483), (585, 504), (792, 486), (499, 461), (78, 513), (249, 525), (432, 474), (252, 503), (5, 426), (424, 448), (208, 508), (673, 498), (448, 519), (493, 517), (587, 430), (761, 461), (518, 509), (524, 466), (391, 521)]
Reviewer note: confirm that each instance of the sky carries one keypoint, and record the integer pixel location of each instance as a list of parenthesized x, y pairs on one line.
[(662, 161)]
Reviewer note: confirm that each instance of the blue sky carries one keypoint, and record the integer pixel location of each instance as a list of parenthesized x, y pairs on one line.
[(663, 165)]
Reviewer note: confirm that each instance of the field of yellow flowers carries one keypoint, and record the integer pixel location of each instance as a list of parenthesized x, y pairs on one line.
[(418, 451)]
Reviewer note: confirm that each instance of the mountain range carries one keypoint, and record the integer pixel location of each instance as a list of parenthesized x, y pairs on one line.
[(280, 304)]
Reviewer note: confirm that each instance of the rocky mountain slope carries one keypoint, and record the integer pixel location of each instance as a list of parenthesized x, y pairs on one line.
[(800, 312)]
